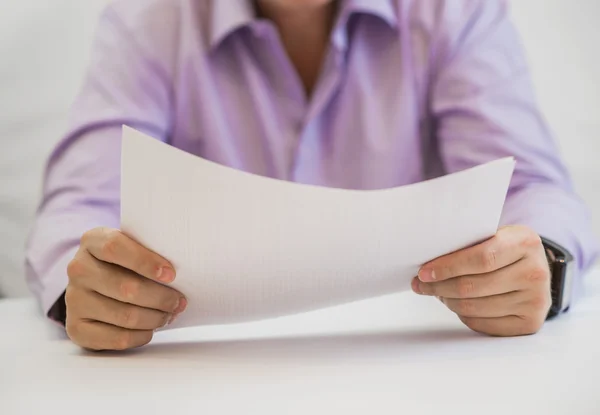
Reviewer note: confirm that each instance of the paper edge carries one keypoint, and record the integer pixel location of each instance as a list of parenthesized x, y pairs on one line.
[(279, 182)]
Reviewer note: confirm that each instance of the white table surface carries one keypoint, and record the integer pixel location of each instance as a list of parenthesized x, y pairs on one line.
[(400, 354)]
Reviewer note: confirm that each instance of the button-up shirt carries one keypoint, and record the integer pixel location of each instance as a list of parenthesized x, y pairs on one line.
[(409, 90)]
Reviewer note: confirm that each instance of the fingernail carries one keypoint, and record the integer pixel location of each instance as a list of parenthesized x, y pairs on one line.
[(415, 286), (166, 275), (181, 306), (427, 275), (172, 319)]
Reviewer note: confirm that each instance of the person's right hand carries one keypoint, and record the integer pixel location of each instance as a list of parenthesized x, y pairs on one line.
[(115, 297)]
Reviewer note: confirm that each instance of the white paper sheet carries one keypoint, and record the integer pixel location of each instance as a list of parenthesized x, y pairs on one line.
[(246, 247)]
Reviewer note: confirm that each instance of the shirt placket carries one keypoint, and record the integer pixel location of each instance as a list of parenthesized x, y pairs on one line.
[(302, 143), (307, 145)]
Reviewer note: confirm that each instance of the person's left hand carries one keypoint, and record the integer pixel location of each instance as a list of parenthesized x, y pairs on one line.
[(500, 287)]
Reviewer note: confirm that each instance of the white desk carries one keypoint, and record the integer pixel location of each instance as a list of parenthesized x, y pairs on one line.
[(401, 354)]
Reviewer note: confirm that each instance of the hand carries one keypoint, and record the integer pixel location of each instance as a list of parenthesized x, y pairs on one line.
[(115, 299), (500, 287)]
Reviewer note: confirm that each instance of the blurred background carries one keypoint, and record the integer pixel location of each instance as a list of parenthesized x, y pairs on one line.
[(44, 46)]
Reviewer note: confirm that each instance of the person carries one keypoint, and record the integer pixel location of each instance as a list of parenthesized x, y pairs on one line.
[(357, 94)]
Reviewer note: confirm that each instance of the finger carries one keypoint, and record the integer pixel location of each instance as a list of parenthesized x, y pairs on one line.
[(128, 316), (111, 245), (487, 307), (95, 335), (502, 281), (123, 285), (508, 246), (503, 326)]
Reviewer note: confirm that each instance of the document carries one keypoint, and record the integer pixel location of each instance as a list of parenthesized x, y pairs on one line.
[(247, 247)]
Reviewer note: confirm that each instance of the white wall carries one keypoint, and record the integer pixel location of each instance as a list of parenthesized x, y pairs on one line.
[(43, 52), (563, 43)]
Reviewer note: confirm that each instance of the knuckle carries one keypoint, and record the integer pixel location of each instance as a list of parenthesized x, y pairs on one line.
[(465, 287), (129, 317), (87, 237), (539, 275), (129, 288), (75, 268), (489, 259), (111, 244), (541, 303), (531, 240)]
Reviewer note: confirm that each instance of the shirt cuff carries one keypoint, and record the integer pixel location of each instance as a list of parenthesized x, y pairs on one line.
[(52, 296), (556, 215)]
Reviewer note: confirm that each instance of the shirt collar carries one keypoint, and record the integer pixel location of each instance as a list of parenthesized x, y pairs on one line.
[(227, 16), (384, 10)]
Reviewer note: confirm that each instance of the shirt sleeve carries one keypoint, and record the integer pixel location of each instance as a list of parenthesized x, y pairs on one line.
[(484, 106), (123, 85)]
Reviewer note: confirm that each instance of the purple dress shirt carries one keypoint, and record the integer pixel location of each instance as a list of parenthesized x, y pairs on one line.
[(409, 90)]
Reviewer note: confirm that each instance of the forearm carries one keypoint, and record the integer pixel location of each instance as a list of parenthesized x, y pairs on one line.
[(126, 83), (81, 192), (485, 108)]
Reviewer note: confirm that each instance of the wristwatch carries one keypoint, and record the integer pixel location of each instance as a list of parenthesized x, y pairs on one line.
[(562, 273)]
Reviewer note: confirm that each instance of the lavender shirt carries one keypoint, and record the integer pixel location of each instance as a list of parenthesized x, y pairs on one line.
[(410, 89)]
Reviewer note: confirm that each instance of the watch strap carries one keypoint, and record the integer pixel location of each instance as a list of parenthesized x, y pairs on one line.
[(558, 260)]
